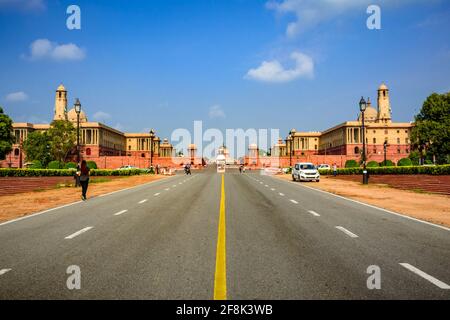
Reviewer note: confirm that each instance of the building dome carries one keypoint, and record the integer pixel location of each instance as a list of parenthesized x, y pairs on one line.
[(72, 116), (383, 87), (61, 88)]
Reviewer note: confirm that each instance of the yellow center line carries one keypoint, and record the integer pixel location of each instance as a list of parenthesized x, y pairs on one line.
[(220, 278)]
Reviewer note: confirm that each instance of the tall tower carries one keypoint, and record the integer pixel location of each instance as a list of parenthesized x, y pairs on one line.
[(60, 104), (384, 105)]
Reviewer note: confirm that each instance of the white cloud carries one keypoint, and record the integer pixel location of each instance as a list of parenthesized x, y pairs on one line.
[(101, 116), (273, 71), (23, 5), (16, 96), (309, 13), (216, 112), (45, 49)]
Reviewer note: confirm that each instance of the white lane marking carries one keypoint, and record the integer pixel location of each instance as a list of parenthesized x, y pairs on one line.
[(261, 182), (314, 213), (281, 194), (293, 201), (157, 194), (73, 235), (174, 186), (142, 201), (426, 276), (181, 183), (120, 212), (347, 232), (266, 186), (371, 206), (273, 189), (167, 189), (3, 271)]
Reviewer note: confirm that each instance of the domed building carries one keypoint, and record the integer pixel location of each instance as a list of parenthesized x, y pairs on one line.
[(345, 140), (72, 116), (107, 146)]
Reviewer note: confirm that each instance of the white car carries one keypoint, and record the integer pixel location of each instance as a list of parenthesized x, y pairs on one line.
[(324, 167), (305, 172), (127, 167)]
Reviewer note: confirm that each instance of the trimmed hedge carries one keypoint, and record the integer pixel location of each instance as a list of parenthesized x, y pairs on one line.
[(9, 172), (373, 164), (70, 165), (351, 164), (36, 165), (405, 162), (432, 170), (55, 165), (91, 165), (389, 163)]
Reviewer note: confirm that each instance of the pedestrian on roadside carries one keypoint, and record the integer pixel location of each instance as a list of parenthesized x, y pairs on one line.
[(334, 169), (76, 176), (84, 179)]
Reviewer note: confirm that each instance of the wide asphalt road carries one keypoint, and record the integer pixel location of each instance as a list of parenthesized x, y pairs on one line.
[(234, 236)]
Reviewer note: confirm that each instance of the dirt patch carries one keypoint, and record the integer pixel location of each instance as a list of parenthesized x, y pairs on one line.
[(429, 207), (22, 204)]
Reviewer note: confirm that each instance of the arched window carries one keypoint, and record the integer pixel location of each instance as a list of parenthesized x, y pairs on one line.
[(143, 155), (88, 151), (356, 150), (16, 152)]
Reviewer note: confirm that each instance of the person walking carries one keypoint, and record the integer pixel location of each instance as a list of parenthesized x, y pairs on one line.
[(76, 176), (334, 169), (84, 179)]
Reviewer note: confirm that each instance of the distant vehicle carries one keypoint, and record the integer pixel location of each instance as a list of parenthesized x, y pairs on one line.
[(272, 171), (324, 167), (127, 167), (305, 172)]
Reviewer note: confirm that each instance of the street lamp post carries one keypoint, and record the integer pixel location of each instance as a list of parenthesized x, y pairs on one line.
[(289, 141), (152, 136), (385, 150), (77, 107), (362, 108)]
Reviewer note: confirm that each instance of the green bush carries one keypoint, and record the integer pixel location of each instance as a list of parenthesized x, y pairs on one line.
[(431, 170), (55, 165), (36, 164), (428, 162), (405, 162), (373, 164), (91, 165), (10, 172), (388, 163), (351, 164), (70, 165)]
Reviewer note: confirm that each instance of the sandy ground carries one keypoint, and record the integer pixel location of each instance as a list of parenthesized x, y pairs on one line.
[(429, 207), (18, 205)]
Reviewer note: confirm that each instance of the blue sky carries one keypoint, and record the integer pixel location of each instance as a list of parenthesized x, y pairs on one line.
[(231, 63)]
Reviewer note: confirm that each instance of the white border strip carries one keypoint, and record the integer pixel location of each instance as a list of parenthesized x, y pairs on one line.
[(369, 205)]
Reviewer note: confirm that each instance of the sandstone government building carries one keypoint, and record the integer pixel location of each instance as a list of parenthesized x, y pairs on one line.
[(111, 148)]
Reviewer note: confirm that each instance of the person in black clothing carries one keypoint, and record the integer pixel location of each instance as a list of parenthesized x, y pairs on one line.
[(84, 179)]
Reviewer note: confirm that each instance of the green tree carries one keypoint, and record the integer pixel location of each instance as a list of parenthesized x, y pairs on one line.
[(6, 138), (431, 134), (37, 147), (62, 135)]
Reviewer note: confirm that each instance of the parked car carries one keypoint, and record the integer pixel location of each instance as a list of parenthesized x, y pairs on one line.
[(127, 167), (305, 172), (324, 167)]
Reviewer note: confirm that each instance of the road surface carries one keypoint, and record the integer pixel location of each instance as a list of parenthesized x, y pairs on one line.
[(277, 240)]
